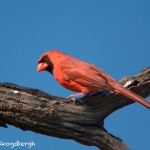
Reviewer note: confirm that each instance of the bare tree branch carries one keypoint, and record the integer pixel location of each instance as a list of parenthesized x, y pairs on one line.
[(34, 110)]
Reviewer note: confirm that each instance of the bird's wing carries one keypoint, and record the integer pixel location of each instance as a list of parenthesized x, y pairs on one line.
[(85, 74)]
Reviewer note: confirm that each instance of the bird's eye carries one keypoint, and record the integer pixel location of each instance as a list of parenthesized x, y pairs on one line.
[(45, 57)]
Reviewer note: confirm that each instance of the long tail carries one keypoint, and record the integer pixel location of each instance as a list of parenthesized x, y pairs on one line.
[(132, 96)]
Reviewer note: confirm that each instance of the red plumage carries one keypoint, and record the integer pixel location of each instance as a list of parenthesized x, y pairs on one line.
[(82, 77)]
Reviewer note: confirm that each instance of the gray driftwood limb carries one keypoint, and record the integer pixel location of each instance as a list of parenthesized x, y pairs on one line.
[(34, 110)]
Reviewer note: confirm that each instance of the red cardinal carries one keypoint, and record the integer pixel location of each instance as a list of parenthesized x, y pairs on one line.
[(82, 77)]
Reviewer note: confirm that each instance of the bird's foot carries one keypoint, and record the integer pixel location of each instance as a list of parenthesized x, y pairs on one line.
[(71, 97), (76, 101)]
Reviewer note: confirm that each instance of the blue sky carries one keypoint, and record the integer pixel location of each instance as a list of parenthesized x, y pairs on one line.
[(114, 35)]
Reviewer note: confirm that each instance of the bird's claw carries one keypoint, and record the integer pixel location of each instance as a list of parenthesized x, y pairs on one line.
[(71, 97)]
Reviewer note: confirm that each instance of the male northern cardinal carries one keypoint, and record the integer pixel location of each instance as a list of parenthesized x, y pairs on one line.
[(82, 77)]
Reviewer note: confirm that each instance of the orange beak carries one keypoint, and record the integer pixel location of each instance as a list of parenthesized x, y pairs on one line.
[(42, 66)]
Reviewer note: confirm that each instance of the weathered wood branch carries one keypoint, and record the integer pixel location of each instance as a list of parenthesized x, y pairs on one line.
[(32, 109)]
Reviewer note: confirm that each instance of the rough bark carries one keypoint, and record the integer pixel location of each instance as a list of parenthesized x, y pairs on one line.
[(34, 110)]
